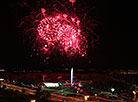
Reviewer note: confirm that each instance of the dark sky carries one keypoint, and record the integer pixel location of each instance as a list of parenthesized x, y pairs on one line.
[(118, 40)]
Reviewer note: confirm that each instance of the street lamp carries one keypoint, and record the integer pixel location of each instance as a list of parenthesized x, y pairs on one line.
[(86, 98), (33, 101), (112, 89)]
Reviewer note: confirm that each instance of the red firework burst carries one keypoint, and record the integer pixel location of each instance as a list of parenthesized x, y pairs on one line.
[(59, 33), (54, 31)]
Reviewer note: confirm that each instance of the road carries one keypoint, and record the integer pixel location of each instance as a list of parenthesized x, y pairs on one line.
[(55, 95)]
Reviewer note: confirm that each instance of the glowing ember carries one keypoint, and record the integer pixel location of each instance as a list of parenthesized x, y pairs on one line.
[(61, 34)]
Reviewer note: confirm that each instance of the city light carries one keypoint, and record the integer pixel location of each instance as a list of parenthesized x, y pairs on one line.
[(86, 98), (134, 92), (33, 101), (112, 89), (51, 84), (1, 79)]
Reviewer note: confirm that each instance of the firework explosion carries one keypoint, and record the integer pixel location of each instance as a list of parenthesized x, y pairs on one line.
[(53, 31), (59, 33)]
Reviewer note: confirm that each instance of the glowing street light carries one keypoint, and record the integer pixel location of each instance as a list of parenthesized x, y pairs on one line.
[(134, 92), (86, 98), (33, 101), (112, 89)]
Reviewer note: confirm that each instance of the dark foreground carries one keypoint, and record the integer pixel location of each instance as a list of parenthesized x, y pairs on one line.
[(14, 96)]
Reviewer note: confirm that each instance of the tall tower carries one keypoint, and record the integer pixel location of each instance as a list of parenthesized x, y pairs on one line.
[(71, 76)]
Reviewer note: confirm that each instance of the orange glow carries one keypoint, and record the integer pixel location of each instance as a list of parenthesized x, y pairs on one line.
[(33, 100), (134, 92), (86, 98)]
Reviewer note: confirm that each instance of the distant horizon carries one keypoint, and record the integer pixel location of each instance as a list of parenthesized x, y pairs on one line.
[(66, 69)]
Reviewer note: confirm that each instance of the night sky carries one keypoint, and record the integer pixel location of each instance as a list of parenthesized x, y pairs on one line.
[(117, 48)]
